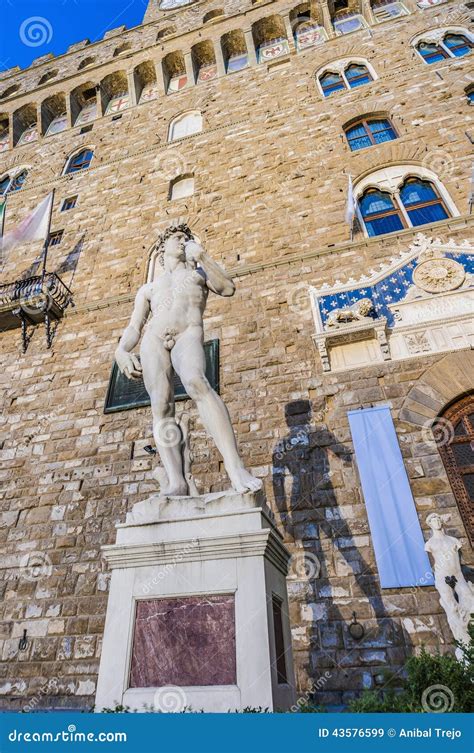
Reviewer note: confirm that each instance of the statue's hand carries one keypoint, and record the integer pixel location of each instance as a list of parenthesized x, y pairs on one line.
[(128, 364), (194, 251)]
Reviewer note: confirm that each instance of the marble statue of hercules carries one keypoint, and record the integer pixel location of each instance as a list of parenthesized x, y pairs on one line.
[(174, 338)]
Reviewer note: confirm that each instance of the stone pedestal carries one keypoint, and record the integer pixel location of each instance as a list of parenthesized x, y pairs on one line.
[(198, 612)]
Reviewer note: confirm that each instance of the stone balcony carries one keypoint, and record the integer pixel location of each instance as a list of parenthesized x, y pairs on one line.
[(41, 298)]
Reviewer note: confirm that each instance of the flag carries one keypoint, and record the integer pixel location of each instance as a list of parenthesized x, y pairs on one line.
[(35, 227), (351, 203)]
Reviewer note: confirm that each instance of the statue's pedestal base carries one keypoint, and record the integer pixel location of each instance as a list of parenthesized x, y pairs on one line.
[(198, 612)]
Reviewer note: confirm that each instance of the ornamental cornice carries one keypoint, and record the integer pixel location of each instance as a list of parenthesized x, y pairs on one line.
[(262, 543)]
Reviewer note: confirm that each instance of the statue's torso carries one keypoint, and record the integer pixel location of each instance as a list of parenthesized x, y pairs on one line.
[(177, 301), (445, 551)]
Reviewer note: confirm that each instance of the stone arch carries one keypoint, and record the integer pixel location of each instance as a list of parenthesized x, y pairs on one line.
[(48, 77), (84, 103), (125, 47), (165, 32), (234, 46), (442, 384), (25, 121), (347, 122), (144, 77), (86, 63), (268, 30), (54, 111), (213, 15), (395, 154), (114, 91), (204, 60), (10, 91), (393, 175), (174, 71)]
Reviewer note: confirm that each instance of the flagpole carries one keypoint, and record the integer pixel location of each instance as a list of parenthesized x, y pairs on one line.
[(46, 241), (350, 206), (4, 211)]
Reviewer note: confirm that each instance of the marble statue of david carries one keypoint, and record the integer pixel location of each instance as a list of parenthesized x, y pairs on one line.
[(173, 305)]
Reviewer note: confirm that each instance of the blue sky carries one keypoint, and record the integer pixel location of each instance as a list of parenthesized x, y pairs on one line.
[(31, 28)]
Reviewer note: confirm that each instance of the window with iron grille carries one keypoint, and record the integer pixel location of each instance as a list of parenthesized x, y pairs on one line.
[(456, 447)]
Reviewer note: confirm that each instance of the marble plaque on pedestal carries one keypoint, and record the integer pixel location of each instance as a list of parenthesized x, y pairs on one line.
[(184, 641)]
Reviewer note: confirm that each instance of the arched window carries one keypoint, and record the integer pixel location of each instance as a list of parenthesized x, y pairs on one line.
[(469, 95), (47, 77), (367, 132), (353, 75), (10, 183), (451, 45), (79, 161), (86, 63), (431, 53), (10, 91), (181, 187), (457, 44), (422, 202), (380, 213), (330, 83), (456, 447), (18, 182), (393, 198), (357, 75), (185, 125)]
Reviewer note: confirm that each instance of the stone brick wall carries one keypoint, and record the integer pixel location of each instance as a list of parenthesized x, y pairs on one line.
[(269, 205)]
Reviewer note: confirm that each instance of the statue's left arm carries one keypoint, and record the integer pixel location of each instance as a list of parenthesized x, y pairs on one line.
[(217, 278)]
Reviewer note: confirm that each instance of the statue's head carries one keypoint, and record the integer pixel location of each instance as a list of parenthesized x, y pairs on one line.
[(173, 241), (434, 521)]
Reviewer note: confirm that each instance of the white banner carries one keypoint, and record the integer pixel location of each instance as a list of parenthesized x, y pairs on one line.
[(35, 227)]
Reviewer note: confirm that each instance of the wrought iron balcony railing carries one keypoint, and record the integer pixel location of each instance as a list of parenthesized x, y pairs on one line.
[(42, 298)]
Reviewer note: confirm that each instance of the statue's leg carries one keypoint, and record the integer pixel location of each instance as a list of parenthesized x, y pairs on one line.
[(157, 376), (189, 362)]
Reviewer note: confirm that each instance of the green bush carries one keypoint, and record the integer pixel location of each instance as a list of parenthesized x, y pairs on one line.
[(434, 683)]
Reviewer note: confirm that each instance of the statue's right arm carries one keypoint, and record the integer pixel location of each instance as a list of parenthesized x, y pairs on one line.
[(128, 363)]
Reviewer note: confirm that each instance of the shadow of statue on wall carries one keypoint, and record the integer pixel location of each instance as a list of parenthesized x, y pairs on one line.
[(307, 467)]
